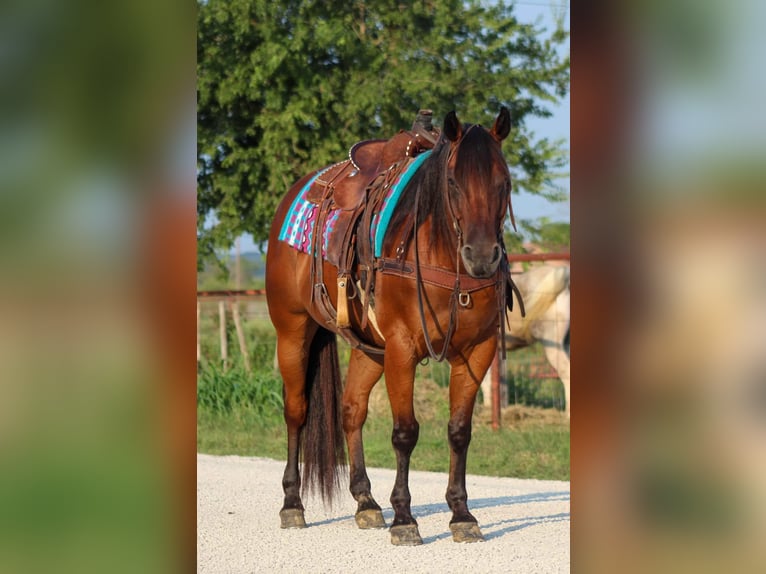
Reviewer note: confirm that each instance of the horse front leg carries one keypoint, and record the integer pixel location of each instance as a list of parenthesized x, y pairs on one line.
[(363, 372), (400, 367), (465, 379)]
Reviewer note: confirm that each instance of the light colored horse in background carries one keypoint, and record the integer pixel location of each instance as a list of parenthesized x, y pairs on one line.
[(545, 290)]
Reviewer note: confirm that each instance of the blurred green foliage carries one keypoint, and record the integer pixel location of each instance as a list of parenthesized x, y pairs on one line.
[(94, 106)]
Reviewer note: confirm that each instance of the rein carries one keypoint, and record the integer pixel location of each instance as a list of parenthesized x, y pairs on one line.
[(438, 357), (457, 296)]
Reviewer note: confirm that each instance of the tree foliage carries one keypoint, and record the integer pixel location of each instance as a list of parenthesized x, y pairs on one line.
[(286, 87), (550, 236)]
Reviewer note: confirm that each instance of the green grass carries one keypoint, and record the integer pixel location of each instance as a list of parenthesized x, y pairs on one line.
[(530, 451), (242, 432), (241, 415)]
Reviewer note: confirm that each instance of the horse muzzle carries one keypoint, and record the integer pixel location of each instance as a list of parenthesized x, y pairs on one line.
[(481, 260)]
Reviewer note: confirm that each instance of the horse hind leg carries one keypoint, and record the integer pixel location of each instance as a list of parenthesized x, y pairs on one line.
[(363, 372), (293, 343), (313, 417), (292, 359)]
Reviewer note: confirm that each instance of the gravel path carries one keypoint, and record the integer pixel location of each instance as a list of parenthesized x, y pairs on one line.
[(525, 523)]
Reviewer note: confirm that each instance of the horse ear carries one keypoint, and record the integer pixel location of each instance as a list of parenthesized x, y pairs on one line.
[(453, 129), (502, 126)]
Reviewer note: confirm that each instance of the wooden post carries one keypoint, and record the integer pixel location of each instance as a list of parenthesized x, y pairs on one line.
[(495, 393), (502, 369), (222, 323), (495, 369), (234, 304)]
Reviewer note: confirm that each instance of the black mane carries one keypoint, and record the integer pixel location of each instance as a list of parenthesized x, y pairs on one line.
[(430, 179), (477, 152)]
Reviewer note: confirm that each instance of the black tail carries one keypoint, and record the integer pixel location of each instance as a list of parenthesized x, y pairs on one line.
[(324, 456)]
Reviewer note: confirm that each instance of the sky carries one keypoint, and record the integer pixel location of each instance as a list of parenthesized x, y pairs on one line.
[(525, 205)]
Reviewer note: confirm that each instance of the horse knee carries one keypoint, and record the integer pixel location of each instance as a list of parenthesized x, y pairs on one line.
[(405, 437), (459, 435)]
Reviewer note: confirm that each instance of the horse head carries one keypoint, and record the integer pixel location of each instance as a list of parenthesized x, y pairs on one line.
[(478, 190)]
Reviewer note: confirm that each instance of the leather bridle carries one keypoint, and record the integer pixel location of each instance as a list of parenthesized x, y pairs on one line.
[(457, 296)]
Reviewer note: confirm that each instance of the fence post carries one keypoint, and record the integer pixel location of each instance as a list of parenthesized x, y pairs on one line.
[(240, 333), (199, 348), (502, 369), (495, 370), (222, 324)]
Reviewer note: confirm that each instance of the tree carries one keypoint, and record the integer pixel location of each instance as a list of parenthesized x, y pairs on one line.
[(287, 87), (550, 235)]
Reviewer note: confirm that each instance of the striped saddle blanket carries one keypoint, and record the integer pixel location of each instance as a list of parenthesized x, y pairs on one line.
[(298, 227)]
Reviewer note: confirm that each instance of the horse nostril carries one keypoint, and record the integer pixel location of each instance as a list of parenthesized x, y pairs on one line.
[(466, 252), (496, 253)]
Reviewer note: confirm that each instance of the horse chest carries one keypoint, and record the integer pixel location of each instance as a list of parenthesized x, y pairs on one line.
[(396, 305)]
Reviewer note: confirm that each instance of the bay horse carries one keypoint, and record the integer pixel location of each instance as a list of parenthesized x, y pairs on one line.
[(438, 288)]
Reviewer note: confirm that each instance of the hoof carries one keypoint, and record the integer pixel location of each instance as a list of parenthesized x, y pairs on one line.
[(405, 535), (466, 532), (292, 518), (370, 518)]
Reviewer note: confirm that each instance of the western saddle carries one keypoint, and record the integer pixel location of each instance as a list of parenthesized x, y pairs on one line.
[(355, 188)]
